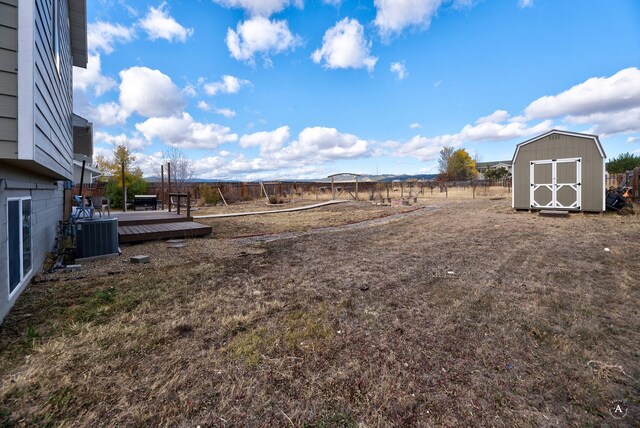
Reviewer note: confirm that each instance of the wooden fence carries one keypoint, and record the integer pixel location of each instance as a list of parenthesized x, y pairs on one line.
[(629, 180), (232, 192)]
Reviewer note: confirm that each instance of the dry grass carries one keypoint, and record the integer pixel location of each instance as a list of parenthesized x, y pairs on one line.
[(536, 326)]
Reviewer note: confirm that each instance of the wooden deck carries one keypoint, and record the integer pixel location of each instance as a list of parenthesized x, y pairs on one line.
[(133, 218), (149, 226)]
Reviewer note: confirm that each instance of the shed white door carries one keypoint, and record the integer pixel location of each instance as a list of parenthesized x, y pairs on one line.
[(556, 183)]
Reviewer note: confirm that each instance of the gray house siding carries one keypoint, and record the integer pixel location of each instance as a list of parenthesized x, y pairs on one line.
[(36, 145), (561, 146), (53, 133), (47, 205), (8, 78)]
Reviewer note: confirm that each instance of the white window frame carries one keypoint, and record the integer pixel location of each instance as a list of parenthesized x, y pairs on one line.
[(23, 275)]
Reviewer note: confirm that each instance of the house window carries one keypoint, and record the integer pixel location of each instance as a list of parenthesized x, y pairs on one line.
[(18, 241), (56, 33)]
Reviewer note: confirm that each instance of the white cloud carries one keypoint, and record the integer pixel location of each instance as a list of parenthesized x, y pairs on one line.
[(610, 104), (393, 16), (332, 2), (595, 95), (268, 141), (228, 85), (496, 116), (260, 35), (495, 127), (226, 112), (104, 35), (438, 83), (107, 114), (607, 123), (183, 132), (319, 144), (149, 92), (260, 7), (204, 106), (132, 142), (399, 69), (633, 140), (415, 125), (91, 77), (158, 24), (344, 46), (525, 3), (189, 90)]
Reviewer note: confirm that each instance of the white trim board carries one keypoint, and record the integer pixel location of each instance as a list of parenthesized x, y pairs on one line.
[(26, 66)]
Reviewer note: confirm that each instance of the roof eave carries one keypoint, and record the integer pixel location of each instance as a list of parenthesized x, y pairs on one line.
[(78, 25)]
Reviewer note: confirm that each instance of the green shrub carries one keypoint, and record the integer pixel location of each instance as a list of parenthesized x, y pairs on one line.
[(209, 194), (113, 191)]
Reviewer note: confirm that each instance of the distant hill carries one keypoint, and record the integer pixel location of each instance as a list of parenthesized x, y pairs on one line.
[(383, 178)]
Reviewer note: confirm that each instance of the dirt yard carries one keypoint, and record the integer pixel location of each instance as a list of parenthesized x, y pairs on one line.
[(462, 313)]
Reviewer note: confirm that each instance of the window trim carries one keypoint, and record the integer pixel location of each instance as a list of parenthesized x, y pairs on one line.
[(23, 275)]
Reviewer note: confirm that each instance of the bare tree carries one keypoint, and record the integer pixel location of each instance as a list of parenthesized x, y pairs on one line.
[(443, 162), (182, 168)]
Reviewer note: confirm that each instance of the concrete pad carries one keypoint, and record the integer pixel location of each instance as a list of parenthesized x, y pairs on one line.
[(139, 259)]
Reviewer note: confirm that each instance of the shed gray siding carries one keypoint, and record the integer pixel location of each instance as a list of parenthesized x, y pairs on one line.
[(47, 206), (8, 78), (561, 146), (53, 93)]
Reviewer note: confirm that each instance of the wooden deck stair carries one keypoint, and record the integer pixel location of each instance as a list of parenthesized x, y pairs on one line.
[(146, 226)]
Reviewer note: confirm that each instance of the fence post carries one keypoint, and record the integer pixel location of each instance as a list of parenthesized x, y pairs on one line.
[(446, 192), (333, 189), (356, 188), (189, 204)]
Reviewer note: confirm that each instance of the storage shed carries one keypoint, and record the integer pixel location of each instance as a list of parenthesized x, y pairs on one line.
[(559, 170)]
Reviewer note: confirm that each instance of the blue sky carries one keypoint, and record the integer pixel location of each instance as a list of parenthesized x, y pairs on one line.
[(271, 89)]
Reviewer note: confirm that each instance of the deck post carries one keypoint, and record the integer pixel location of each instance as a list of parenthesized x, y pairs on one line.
[(162, 187), (189, 204), (124, 191)]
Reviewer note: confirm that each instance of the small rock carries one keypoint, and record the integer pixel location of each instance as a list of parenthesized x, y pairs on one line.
[(139, 259), (607, 250), (73, 268)]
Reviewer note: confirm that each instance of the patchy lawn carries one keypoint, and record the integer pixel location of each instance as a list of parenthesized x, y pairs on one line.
[(464, 315)]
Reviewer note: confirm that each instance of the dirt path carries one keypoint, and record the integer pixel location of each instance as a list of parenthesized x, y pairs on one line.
[(287, 210), (331, 229)]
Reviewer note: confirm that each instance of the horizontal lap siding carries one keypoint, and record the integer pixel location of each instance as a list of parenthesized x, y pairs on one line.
[(46, 212), (558, 146), (8, 78), (53, 133)]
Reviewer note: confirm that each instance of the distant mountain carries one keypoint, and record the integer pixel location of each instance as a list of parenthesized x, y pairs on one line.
[(383, 178)]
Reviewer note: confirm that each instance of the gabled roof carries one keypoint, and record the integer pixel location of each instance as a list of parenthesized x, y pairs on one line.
[(492, 163), (557, 131), (78, 26)]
